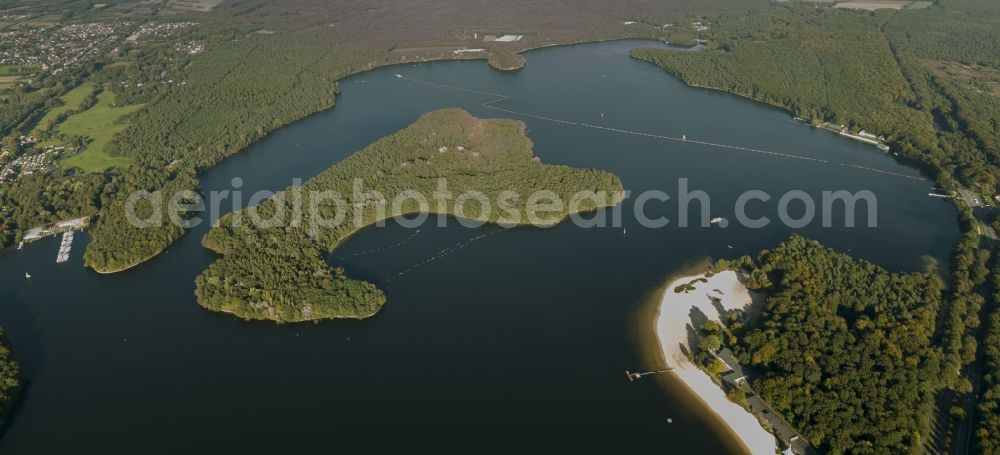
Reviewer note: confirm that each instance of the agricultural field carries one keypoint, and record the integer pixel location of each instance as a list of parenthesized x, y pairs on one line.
[(193, 5), (45, 21), (14, 70), (98, 124), (9, 70)]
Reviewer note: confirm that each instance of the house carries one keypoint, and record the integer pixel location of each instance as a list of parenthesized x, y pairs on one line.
[(798, 445), (735, 376), (727, 357)]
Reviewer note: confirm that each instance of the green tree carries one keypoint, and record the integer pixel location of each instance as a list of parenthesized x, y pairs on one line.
[(710, 343)]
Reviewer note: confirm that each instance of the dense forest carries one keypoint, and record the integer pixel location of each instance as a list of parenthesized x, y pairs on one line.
[(279, 273), (988, 428), (843, 348), (46, 198), (867, 71), (962, 305)]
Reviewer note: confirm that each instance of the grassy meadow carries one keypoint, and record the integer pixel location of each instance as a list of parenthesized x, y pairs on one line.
[(98, 124)]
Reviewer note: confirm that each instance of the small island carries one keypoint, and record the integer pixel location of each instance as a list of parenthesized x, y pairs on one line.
[(504, 60), (280, 273)]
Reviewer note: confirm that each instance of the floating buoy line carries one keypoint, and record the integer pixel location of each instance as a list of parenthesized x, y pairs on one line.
[(498, 98)]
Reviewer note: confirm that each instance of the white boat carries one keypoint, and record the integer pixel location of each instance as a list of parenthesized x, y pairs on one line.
[(717, 220), (684, 137), (399, 75), (27, 275), (20, 245)]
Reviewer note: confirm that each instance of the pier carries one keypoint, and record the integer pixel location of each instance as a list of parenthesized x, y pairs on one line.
[(65, 247), (632, 377)]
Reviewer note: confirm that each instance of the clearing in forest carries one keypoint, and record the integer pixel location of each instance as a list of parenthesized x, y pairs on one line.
[(98, 124)]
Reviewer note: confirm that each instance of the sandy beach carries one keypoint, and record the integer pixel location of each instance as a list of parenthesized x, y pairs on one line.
[(671, 325)]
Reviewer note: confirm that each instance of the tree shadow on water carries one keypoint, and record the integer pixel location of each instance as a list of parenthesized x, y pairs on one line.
[(20, 323)]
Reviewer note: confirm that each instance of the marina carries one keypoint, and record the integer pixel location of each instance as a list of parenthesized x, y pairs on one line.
[(38, 233), (65, 247)]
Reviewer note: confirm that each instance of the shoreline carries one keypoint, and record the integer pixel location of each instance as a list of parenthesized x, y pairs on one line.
[(795, 116), (670, 322), (200, 172), (125, 267), (619, 197)]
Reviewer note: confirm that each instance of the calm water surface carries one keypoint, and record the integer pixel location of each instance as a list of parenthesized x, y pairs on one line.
[(518, 340)]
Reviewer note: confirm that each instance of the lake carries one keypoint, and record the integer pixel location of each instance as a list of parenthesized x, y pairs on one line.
[(519, 339)]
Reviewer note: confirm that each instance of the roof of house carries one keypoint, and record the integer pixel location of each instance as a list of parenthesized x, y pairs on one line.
[(727, 357)]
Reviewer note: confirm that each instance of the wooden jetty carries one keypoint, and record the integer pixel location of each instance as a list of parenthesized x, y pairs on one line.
[(632, 377)]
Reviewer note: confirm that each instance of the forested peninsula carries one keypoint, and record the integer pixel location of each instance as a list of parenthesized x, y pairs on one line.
[(842, 348), (280, 273)]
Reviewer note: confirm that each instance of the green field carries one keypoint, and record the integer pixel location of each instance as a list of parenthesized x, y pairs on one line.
[(71, 101), (14, 70), (98, 124), (919, 5)]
